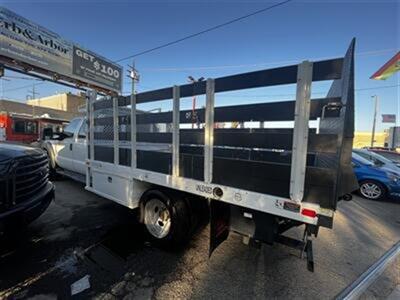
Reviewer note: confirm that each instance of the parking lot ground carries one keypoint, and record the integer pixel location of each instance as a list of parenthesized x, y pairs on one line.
[(83, 234)]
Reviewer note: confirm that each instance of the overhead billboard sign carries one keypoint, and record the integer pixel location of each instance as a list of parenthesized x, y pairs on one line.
[(28, 43)]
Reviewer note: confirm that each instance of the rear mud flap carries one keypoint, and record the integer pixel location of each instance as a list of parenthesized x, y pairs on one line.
[(219, 223)]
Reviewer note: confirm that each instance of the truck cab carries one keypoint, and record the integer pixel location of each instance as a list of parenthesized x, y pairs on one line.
[(67, 149)]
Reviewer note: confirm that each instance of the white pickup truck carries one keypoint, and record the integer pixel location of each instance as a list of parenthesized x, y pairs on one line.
[(258, 182), (67, 150)]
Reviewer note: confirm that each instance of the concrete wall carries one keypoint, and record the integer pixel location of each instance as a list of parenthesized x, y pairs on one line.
[(363, 139)]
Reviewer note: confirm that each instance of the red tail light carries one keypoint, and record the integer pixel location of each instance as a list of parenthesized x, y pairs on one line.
[(308, 212)]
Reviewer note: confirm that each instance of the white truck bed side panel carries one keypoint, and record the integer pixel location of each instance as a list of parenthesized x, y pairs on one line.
[(120, 189)]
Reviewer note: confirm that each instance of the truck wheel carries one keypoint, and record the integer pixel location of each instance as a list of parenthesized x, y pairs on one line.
[(372, 190), (52, 169), (166, 220)]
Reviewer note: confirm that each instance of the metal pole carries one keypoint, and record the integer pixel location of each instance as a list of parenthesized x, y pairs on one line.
[(92, 99), (116, 129), (300, 130), (193, 80), (87, 139), (193, 110), (209, 131), (374, 123), (134, 77), (175, 131), (355, 290)]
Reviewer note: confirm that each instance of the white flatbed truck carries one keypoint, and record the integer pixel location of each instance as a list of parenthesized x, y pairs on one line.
[(258, 182)]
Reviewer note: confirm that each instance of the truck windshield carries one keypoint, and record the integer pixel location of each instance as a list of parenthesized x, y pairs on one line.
[(71, 127)]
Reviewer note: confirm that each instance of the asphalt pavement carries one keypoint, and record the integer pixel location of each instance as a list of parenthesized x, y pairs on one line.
[(82, 234)]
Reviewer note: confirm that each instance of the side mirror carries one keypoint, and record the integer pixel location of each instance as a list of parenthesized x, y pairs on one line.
[(47, 133), (59, 130)]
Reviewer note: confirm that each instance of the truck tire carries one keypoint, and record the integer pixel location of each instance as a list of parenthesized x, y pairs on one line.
[(52, 169), (372, 190), (166, 218)]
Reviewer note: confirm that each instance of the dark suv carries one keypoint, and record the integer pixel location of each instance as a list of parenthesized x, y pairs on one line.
[(25, 190)]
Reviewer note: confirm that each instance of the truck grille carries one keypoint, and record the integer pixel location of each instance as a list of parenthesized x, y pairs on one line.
[(26, 177), (31, 175)]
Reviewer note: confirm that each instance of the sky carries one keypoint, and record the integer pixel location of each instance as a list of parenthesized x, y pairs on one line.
[(285, 35)]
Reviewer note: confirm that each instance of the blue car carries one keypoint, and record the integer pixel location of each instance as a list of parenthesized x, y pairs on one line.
[(375, 182), (378, 159)]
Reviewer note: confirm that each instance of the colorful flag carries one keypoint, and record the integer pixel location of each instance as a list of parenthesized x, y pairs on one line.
[(388, 118), (388, 69)]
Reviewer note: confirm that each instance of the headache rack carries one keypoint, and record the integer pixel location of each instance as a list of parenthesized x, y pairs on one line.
[(283, 172)]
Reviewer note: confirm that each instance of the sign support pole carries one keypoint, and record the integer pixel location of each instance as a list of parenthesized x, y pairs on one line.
[(374, 123), (134, 77)]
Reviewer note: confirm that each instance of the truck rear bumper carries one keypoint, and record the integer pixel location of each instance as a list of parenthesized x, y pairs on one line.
[(26, 212)]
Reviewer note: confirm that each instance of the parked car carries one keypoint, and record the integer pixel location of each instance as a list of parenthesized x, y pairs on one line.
[(393, 156), (375, 182), (25, 190), (377, 159)]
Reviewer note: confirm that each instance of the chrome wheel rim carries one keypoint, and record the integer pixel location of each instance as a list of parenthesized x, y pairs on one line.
[(157, 218), (370, 190)]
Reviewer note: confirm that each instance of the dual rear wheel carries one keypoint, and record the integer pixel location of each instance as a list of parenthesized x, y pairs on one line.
[(166, 218)]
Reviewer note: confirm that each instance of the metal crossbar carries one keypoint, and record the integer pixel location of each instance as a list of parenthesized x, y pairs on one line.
[(366, 279)]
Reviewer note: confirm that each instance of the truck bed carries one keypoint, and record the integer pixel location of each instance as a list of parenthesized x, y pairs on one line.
[(266, 169)]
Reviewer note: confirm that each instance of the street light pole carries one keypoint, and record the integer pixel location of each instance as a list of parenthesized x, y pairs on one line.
[(193, 80), (134, 76), (374, 122)]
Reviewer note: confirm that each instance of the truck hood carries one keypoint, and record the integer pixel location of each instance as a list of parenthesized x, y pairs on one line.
[(11, 151)]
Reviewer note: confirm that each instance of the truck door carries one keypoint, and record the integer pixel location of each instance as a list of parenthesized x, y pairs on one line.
[(65, 146), (80, 149)]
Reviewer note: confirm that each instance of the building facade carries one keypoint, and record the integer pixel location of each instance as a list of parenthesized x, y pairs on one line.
[(23, 123), (66, 102)]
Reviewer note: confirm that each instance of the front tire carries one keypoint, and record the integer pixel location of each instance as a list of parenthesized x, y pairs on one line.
[(52, 168), (166, 219), (372, 190)]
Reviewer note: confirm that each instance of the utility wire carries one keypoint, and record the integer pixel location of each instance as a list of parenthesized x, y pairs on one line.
[(221, 67), (22, 87), (205, 31), (315, 93), (22, 77), (378, 88), (291, 95)]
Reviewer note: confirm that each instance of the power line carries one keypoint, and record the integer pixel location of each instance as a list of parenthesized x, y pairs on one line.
[(292, 95), (204, 31), (22, 77), (378, 88), (221, 67), (21, 87), (315, 93)]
